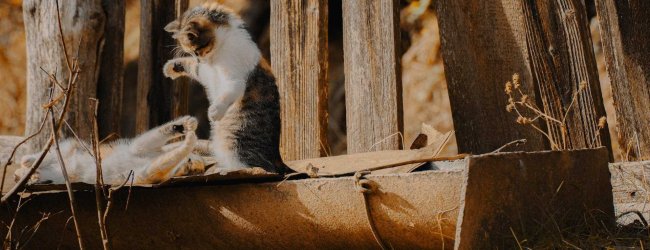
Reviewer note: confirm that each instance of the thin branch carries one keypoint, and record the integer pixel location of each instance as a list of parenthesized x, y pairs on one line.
[(68, 185), (99, 183), (65, 49)]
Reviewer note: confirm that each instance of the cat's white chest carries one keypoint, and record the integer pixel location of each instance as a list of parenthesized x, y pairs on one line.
[(219, 82)]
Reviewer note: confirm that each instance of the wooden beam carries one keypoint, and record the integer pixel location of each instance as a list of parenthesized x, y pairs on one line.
[(624, 27), (373, 81), (159, 99), (561, 57), (83, 28), (299, 60), (111, 73), (483, 45)]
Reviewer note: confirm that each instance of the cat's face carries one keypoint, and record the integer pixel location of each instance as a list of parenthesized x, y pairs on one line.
[(196, 31)]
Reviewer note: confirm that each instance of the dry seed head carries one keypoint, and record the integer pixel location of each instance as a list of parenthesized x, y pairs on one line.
[(511, 100), (523, 120), (510, 107), (602, 122), (515, 80), (508, 87), (524, 98), (582, 85)]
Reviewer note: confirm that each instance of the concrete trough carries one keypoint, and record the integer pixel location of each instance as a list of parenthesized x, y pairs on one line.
[(475, 200)]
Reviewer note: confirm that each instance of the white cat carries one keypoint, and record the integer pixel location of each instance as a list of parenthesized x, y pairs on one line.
[(244, 100), (149, 156)]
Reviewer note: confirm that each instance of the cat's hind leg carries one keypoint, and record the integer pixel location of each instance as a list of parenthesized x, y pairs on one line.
[(168, 164), (154, 139)]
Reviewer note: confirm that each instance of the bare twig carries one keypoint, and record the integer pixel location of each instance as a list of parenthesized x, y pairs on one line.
[(515, 142), (8, 242), (65, 49), (68, 185), (99, 183)]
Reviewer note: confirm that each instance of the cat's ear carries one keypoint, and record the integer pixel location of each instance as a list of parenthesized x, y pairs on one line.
[(173, 26)]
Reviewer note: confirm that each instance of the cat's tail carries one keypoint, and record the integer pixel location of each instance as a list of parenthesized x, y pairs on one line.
[(282, 168)]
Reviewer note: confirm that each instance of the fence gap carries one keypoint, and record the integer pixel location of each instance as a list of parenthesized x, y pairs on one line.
[(300, 60), (373, 84), (111, 73), (483, 44), (159, 99), (624, 27)]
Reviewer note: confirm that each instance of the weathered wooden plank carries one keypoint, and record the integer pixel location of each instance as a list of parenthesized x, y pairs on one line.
[(561, 58), (83, 28), (624, 27), (631, 189), (523, 198), (483, 44), (299, 60), (159, 99), (373, 84), (111, 72)]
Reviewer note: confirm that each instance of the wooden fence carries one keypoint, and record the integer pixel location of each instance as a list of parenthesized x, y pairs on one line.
[(548, 43)]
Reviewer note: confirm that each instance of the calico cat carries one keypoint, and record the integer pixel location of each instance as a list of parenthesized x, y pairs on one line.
[(244, 109), (151, 160)]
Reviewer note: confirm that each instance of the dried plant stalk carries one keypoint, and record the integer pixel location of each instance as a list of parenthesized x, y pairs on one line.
[(516, 103)]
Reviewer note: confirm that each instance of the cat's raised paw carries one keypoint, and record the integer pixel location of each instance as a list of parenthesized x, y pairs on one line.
[(174, 69)]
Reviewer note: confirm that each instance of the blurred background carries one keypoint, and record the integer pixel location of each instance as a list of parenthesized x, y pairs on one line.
[(423, 77)]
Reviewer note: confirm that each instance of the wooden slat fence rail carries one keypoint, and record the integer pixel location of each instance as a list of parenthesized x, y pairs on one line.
[(561, 57), (159, 99), (299, 60), (83, 35), (373, 81), (625, 35), (111, 74), (483, 44)]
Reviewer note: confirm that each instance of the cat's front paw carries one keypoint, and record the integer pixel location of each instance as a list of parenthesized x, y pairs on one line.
[(174, 69), (216, 112), (182, 125), (190, 124)]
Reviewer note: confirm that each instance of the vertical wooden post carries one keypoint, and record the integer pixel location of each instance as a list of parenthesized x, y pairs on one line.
[(624, 29), (111, 73), (483, 44), (373, 84), (83, 28), (299, 60), (159, 99), (561, 57)]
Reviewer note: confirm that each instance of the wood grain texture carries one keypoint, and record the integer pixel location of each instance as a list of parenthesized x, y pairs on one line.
[(159, 99), (483, 44), (624, 28), (299, 61), (83, 29), (561, 57), (111, 73), (373, 81)]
